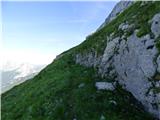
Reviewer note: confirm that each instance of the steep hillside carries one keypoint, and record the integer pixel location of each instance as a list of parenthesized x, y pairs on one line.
[(127, 51), (66, 91), (112, 75)]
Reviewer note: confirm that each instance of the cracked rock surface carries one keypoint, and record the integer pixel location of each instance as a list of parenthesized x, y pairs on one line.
[(135, 62)]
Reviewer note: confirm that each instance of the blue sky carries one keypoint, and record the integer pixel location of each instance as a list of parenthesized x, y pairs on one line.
[(36, 32)]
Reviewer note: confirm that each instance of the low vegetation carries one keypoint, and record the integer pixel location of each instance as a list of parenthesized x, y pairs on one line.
[(66, 91), (57, 94), (136, 14), (156, 89)]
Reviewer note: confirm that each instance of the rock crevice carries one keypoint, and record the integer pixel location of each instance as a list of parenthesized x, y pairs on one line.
[(134, 61)]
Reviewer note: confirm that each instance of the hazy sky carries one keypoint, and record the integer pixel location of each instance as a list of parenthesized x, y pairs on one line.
[(36, 32)]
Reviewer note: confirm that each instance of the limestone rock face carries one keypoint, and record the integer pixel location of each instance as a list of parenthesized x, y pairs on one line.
[(104, 86), (133, 62), (135, 67), (106, 63), (123, 26), (158, 63), (120, 7), (88, 60), (109, 51), (155, 27)]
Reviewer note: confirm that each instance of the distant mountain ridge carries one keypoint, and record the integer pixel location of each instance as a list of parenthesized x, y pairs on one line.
[(15, 73), (113, 75), (119, 8)]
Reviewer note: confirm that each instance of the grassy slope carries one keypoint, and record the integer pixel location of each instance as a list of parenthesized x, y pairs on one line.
[(135, 14), (54, 93)]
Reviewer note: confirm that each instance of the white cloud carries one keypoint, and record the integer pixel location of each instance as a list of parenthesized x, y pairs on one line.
[(27, 56)]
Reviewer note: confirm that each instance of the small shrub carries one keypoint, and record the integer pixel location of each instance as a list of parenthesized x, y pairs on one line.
[(156, 90), (157, 77)]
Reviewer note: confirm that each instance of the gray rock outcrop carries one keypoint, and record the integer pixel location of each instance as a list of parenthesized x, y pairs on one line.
[(155, 26), (119, 8), (104, 86), (158, 63), (133, 62), (136, 67)]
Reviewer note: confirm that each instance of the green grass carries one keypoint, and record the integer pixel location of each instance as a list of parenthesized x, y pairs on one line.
[(156, 90), (142, 14), (157, 76), (54, 95)]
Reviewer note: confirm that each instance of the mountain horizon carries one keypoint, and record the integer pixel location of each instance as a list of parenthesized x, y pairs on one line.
[(114, 74)]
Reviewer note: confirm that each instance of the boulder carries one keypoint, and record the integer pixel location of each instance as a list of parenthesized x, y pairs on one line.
[(155, 26), (104, 86)]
